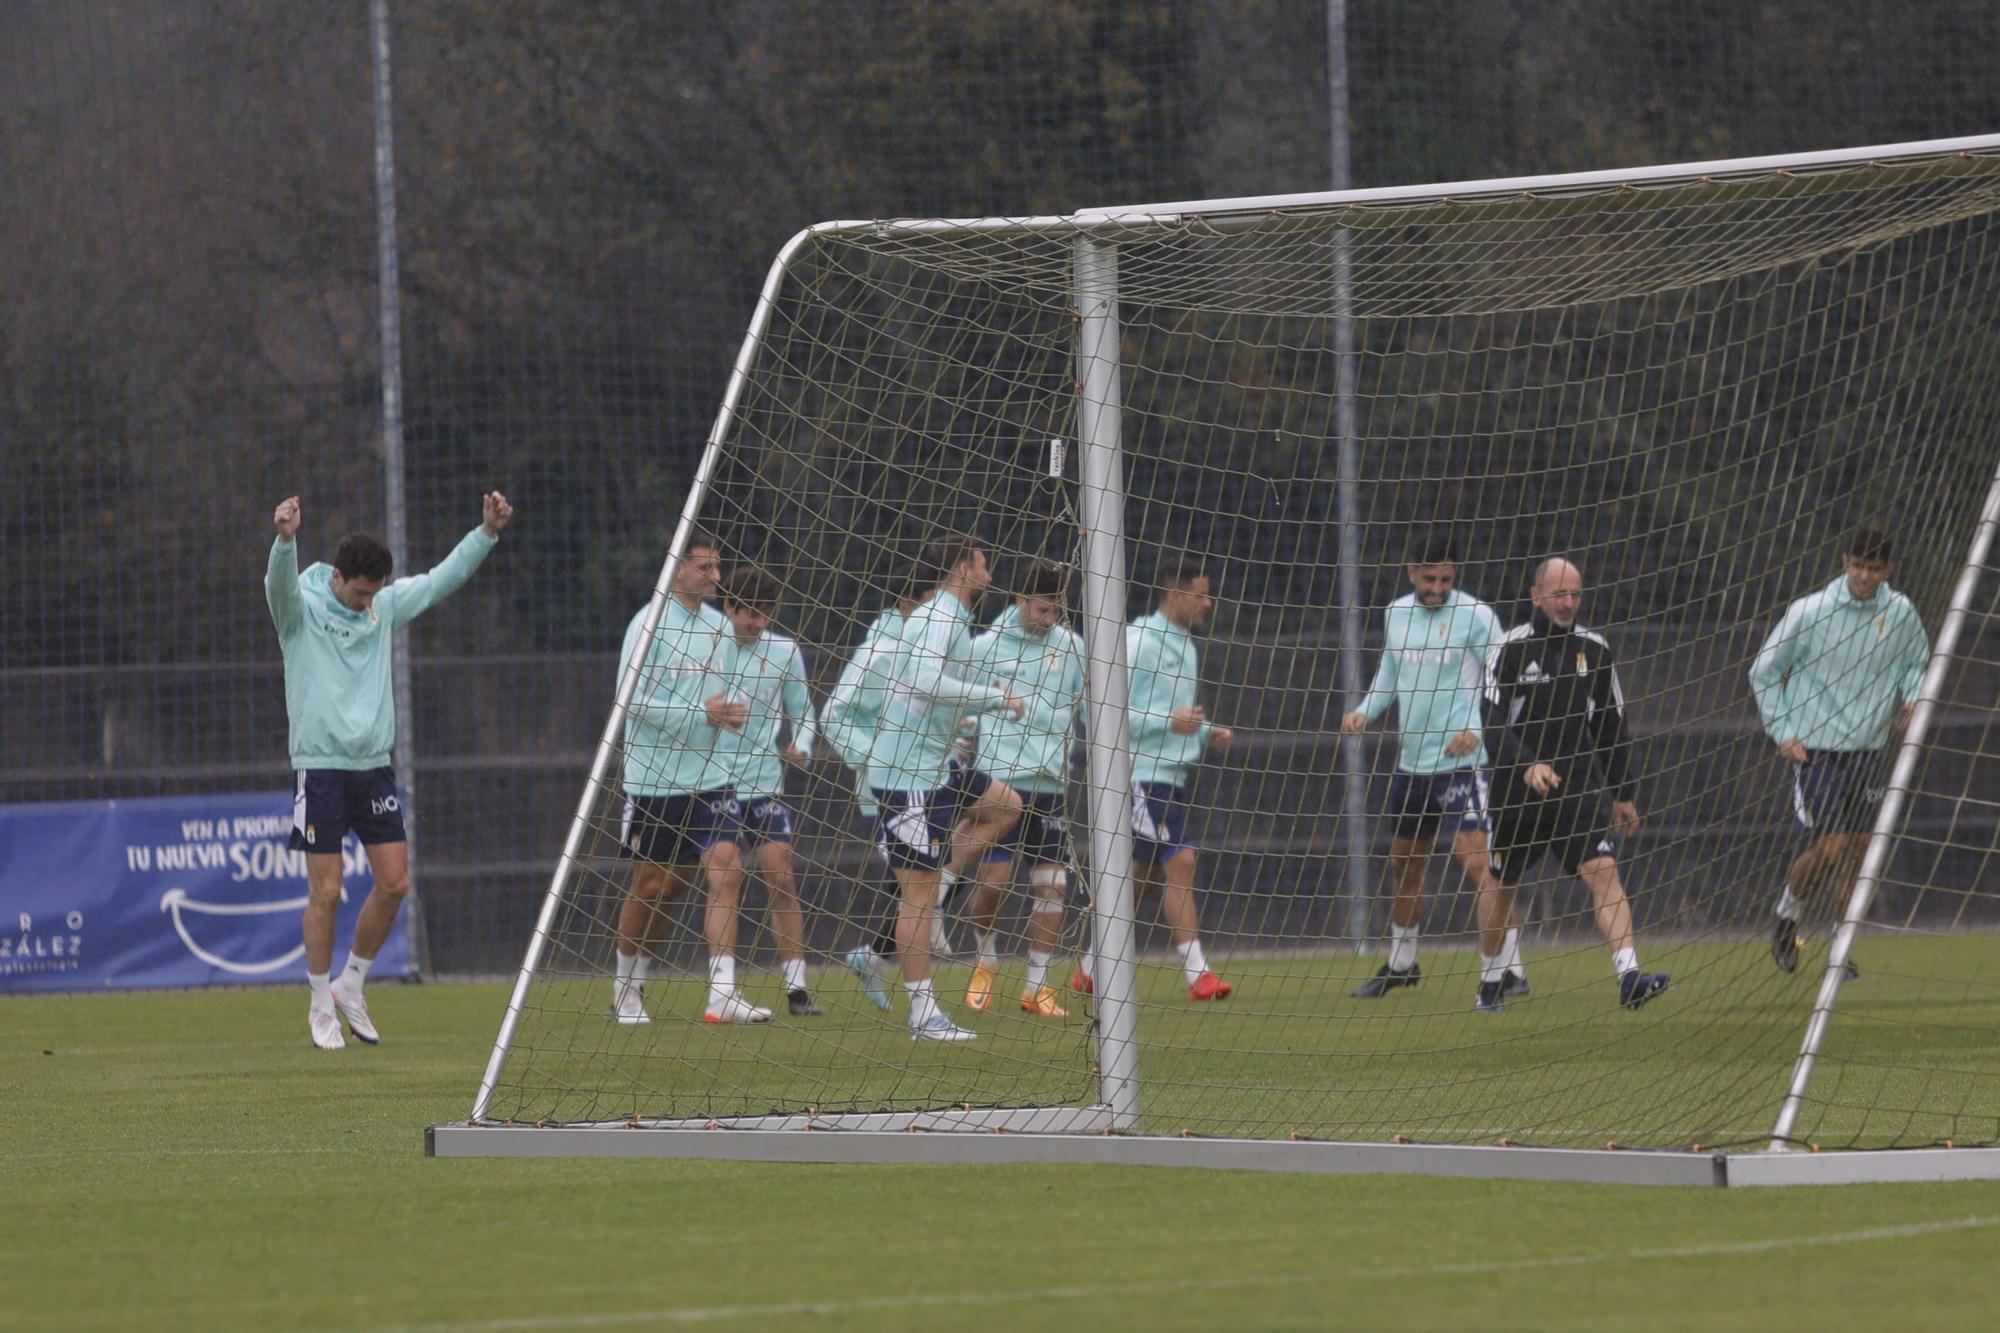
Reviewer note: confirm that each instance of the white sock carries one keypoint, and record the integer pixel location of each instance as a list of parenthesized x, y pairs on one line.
[(321, 986), (356, 971), (947, 881), (1492, 969), (1510, 952), (923, 1003), (1625, 960), (1788, 906), (1192, 961), (626, 963), (795, 974), (1038, 970), (989, 947), (1402, 947), (721, 977)]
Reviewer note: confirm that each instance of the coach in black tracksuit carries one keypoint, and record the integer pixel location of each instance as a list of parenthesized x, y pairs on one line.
[(1555, 723)]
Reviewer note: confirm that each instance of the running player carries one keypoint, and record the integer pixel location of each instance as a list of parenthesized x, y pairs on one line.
[(1032, 652), (1843, 666), (1170, 732), (770, 677), (680, 810), (921, 798), (1435, 640)]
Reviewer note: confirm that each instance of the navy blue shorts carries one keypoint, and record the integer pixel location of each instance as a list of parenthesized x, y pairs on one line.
[(1839, 791), (767, 819), (913, 829), (1043, 833), (1527, 827), (1159, 822), (326, 802), (676, 830), (1418, 802)]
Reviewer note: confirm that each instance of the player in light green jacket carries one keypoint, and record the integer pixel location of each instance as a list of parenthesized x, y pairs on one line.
[(1033, 653), (1435, 645), (1169, 734), (770, 678), (336, 625), (1842, 667), (928, 810), (680, 805)]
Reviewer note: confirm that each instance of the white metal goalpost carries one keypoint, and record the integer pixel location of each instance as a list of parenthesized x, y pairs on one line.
[(550, 1045)]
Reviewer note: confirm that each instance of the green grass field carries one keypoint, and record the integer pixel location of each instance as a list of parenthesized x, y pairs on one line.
[(186, 1160)]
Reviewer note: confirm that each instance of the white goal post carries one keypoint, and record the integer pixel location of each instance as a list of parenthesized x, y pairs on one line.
[(1693, 379)]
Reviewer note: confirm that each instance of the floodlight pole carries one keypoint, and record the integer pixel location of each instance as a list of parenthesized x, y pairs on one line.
[(1099, 405), (395, 504), (1890, 817), (1354, 825)]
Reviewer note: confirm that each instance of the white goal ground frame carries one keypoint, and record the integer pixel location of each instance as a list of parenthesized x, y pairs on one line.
[(1097, 1133)]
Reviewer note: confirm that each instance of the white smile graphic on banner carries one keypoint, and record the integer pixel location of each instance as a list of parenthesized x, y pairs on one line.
[(177, 902)]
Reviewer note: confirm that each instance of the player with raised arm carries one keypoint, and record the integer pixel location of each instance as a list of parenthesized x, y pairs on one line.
[(921, 798), (1842, 667), (336, 626), (770, 678), (1032, 652), (1555, 718), (680, 807), (1170, 732), (1435, 640)]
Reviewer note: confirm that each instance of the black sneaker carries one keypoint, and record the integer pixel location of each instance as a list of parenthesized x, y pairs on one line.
[(1849, 972), (801, 1004), (1785, 944), (1636, 987), (1385, 981), (1491, 997), (1514, 983)]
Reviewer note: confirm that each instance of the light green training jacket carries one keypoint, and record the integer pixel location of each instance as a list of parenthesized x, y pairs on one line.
[(1433, 669), (1046, 670), (338, 693), (671, 748), (849, 719), (926, 693), (770, 677), (1835, 669), (1164, 674)]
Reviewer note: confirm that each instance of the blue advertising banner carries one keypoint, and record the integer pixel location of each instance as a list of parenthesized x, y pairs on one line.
[(175, 891)]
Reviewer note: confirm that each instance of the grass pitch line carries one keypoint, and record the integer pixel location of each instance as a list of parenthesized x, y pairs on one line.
[(714, 1314)]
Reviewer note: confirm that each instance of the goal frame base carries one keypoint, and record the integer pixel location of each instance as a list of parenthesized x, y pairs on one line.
[(986, 1138)]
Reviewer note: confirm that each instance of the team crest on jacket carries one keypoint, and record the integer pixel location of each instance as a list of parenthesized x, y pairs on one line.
[(1582, 663)]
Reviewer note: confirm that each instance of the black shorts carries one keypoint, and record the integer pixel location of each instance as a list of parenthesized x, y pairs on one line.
[(1042, 836), (1527, 827), (1839, 791), (676, 830), (767, 819), (327, 802), (913, 829)]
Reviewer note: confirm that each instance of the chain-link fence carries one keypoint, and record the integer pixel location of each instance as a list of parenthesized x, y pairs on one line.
[(586, 198)]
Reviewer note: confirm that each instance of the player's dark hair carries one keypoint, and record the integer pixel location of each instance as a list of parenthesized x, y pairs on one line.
[(943, 554), (749, 586), (1439, 546), (362, 555), (701, 539), (1047, 579), (1868, 544), (1178, 569)]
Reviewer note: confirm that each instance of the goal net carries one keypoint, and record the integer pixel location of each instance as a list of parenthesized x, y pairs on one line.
[(1691, 384)]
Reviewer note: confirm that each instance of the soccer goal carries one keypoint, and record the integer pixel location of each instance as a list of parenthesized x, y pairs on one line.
[(1693, 384)]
